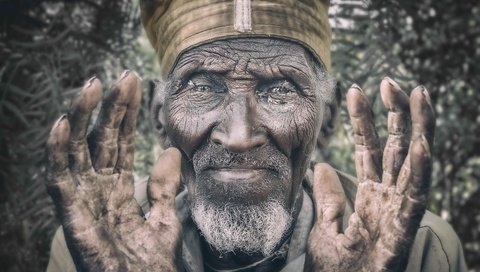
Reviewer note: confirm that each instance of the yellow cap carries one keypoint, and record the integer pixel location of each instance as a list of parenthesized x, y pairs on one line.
[(174, 26)]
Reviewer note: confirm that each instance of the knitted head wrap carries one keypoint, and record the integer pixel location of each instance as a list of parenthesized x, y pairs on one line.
[(174, 26)]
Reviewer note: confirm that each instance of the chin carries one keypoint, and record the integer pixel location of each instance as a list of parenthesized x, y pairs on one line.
[(232, 227), (245, 211)]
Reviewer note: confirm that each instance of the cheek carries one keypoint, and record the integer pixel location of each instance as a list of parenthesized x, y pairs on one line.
[(295, 135), (187, 127), (295, 131)]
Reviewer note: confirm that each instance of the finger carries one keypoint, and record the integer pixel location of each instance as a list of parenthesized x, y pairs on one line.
[(79, 118), (329, 198), (367, 146), (103, 138), (415, 184), (423, 126), (423, 118), (59, 182), (421, 163), (415, 173), (396, 148), (128, 128), (162, 188)]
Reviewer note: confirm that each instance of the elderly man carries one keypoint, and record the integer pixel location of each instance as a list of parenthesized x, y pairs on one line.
[(245, 99)]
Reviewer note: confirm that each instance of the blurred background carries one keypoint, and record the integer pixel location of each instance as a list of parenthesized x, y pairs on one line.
[(49, 48)]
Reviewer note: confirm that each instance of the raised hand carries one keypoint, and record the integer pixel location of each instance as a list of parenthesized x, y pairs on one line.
[(91, 183), (392, 193)]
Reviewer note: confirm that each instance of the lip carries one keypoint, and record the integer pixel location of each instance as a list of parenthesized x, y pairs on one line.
[(237, 174)]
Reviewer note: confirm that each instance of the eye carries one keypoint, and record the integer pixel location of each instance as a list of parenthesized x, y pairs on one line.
[(277, 93), (199, 87), (280, 90), (205, 84), (202, 92)]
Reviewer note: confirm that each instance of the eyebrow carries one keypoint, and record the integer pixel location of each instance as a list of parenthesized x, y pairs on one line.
[(297, 72)]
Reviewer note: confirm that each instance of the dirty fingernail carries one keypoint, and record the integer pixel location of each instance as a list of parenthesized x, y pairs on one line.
[(63, 116), (423, 91), (355, 86), (426, 95), (124, 74), (388, 79), (137, 75), (392, 83), (89, 82), (425, 145)]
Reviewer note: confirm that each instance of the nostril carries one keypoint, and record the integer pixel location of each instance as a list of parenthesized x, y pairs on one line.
[(238, 139), (258, 140), (216, 141), (216, 138)]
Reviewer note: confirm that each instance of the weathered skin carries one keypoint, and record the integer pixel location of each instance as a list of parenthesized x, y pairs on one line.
[(389, 204), (92, 186), (223, 98)]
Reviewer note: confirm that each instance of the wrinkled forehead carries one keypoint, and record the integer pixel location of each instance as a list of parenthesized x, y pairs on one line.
[(250, 55)]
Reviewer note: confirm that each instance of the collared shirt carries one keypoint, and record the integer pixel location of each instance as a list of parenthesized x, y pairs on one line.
[(436, 246)]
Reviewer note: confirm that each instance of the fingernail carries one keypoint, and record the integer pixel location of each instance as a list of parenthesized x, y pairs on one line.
[(59, 120), (137, 75), (90, 82), (355, 86), (392, 83), (426, 95), (425, 145), (124, 74)]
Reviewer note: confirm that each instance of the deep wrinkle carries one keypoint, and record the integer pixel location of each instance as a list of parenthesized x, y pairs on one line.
[(292, 122), (222, 101)]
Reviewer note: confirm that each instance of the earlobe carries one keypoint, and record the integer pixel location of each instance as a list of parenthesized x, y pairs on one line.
[(330, 119), (157, 100)]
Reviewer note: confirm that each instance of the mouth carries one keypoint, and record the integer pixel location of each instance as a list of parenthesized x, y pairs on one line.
[(238, 174), (242, 184), (239, 185)]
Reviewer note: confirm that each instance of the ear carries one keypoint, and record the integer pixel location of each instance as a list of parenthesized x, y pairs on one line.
[(156, 101), (330, 119)]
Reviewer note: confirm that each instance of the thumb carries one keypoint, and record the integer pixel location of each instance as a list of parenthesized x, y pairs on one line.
[(329, 198), (162, 188)]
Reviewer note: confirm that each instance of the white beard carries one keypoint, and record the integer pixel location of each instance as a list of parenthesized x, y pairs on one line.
[(254, 228)]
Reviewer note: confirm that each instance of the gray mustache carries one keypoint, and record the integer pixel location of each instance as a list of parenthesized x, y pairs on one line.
[(212, 156)]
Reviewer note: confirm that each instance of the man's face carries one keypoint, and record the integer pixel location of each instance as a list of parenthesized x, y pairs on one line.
[(246, 114)]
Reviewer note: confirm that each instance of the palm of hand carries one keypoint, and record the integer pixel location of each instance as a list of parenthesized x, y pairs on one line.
[(107, 227), (104, 226), (390, 205)]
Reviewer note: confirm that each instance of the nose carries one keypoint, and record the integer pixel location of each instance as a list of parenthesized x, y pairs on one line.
[(238, 131)]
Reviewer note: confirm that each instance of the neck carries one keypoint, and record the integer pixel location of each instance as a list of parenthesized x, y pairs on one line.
[(241, 261)]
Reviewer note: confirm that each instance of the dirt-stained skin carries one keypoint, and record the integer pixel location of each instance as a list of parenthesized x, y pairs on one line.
[(232, 109)]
